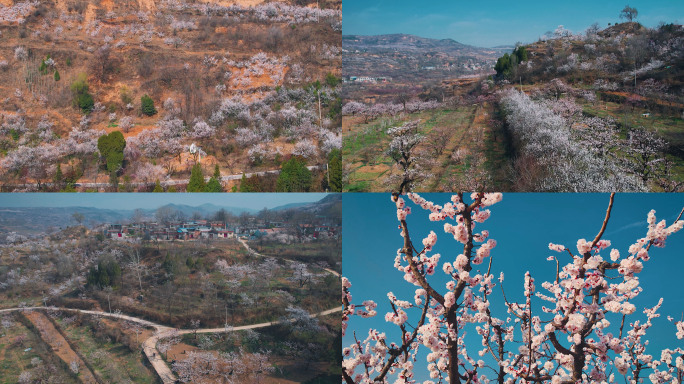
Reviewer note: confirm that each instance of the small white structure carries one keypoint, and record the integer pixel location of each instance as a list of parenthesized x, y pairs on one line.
[(196, 151)]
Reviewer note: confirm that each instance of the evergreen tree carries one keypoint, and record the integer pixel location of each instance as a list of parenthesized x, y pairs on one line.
[(147, 106), (59, 176), (157, 187), (82, 98), (196, 183), (244, 186), (57, 75), (294, 176), (111, 147), (214, 184), (250, 184), (106, 274)]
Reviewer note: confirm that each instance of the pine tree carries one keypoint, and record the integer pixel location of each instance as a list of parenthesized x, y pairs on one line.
[(59, 178), (57, 75), (147, 106), (214, 184), (196, 183), (294, 176), (157, 187)]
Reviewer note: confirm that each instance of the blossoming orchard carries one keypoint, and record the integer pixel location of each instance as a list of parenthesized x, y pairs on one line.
[(585, 312)]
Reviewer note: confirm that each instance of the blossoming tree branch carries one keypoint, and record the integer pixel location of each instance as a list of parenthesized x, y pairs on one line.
[(562, 335)]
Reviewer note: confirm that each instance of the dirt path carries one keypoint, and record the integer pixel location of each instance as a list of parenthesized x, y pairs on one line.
[(161, 331), (457, 140), (59, 345)]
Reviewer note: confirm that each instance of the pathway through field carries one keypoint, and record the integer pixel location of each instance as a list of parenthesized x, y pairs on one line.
[(59, 345)]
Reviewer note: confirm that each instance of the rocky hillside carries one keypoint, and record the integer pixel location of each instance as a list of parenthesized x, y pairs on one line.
[(250, 84)]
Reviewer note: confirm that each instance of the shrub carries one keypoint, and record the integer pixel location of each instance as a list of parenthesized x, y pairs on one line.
[(332, 80), (125, 95), (80, 85), (85, 102), (147, 106), (56, 76), (82, 98), (111, 148)]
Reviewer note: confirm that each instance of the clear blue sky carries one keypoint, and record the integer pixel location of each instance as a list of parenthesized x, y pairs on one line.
[(127, 201), (495, 22), (523, 225)]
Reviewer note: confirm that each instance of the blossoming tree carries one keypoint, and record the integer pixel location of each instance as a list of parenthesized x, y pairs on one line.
[(579, 329)]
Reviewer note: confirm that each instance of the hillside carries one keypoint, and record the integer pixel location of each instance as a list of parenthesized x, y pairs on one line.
[(249, 83), (254, 296), (599, 111), (408, 62)]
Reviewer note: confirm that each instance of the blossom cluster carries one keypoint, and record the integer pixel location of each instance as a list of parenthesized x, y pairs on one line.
[(573, 340)]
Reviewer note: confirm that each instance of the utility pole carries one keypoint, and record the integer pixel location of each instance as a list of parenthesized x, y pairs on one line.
[(320, 117)]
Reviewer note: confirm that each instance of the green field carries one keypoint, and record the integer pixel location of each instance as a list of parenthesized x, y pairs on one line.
[(22, 350), (112, 361), (461, 148)]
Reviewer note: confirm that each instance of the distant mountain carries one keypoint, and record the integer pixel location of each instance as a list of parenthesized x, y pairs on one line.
[(408, 60), (33, 220), (290, 206), (203, 209), (402, 42)]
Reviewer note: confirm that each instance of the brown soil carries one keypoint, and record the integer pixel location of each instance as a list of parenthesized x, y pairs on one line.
[(374, 168), (350, 122), (59, 345), (641, 98), (181, 350)]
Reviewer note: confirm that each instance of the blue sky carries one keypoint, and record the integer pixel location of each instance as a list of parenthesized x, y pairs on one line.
[(495, 22), (153, 200), (523, 225)]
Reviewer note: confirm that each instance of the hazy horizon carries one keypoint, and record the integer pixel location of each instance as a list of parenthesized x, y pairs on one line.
[(130, 201)]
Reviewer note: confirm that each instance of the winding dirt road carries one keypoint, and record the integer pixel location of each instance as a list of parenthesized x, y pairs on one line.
[(162, 331)]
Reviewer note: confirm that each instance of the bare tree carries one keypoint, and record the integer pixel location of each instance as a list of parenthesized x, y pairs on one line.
[(101, 63), (136, 265), (135, 328), (628, 13), (78, 217), (108, 291), (194, 324), (165, 215)]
